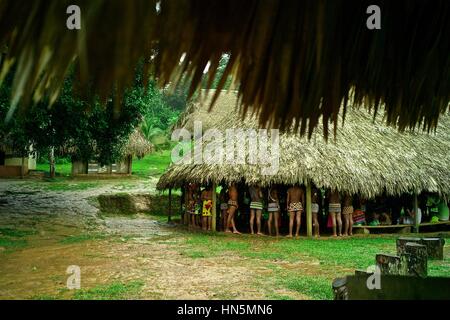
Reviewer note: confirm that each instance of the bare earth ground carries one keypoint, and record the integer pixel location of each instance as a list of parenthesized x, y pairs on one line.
[(63, 228)]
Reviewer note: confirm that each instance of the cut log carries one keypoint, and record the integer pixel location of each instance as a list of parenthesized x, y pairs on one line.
[(402, 241), (340, 289), (416, 259), (390, 264), (435, 247)]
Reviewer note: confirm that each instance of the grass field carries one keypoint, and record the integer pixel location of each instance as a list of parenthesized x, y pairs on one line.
[(152, 164), (265, 267)]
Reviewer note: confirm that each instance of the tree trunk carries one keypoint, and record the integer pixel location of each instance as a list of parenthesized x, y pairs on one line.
[(51, 160)]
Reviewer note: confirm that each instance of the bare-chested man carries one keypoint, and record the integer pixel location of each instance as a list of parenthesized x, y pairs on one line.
[(295, 200), (207, 208), (232, 208), (256, 207), (347, 213), (315, 198), (334, 209)]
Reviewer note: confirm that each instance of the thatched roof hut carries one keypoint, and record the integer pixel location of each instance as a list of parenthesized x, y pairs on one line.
[(291, 59), (366, 156), (137, 145)]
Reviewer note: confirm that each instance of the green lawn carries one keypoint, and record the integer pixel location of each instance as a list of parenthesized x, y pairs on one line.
[(152, 164), (324, 259)]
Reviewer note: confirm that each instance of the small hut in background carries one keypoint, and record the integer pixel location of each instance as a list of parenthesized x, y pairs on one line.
[(13, 165), (365, 157), (137, 146)]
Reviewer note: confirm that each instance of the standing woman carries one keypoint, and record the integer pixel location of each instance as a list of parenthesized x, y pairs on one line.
[(256, 208), (347, 213), (207, 208), (334, 209), (274, 209)]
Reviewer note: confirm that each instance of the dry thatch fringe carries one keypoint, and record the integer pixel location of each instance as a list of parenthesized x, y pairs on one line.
[(137, 145), (293, 59), (367, 156)]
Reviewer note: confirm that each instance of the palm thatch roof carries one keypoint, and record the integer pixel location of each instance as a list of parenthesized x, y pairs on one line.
[(367, 156), (137, 145), (291, 59)]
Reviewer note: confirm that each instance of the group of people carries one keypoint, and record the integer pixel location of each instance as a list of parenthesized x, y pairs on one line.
[(265, 206), (268, 203)]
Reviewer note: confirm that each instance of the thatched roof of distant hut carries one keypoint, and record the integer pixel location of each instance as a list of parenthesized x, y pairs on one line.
[(291, 59), (137, 145), (367, 156)]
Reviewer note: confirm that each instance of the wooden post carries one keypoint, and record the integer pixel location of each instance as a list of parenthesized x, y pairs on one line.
[(308, 210), (416, 214), (169, 218), (214, 207)]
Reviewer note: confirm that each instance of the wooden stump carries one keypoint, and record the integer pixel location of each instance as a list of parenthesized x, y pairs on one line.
[(390, 264), (402, 241), (340, 289), (435, 247), (415, 259)]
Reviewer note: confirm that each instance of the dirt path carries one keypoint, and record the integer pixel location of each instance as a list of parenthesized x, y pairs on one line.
[(63, 228)]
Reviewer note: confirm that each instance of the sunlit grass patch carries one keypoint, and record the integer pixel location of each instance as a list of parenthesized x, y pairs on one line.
[(10, 232), (113, 291), (82, 237), (315, 287)]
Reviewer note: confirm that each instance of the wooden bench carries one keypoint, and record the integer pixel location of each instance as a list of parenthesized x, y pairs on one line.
[(400, 228)]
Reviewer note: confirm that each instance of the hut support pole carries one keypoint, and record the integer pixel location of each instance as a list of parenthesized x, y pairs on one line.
[(308, 210), (169, 217), (416, 215), (214, 207)]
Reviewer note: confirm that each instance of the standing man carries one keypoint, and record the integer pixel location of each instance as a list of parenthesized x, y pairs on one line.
[(334, 209), (256, 207), (295, 200), (347, 212), (232, 208), (207, 208)]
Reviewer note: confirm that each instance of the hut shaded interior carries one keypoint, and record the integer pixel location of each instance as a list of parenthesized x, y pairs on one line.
[(299, 60), (366, 156)]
